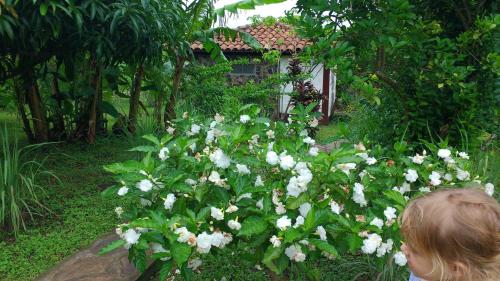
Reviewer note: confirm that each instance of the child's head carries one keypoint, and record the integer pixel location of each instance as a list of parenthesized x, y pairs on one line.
[(453, 234)]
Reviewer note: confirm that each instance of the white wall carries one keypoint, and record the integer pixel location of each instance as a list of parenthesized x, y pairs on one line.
[(317, 80)]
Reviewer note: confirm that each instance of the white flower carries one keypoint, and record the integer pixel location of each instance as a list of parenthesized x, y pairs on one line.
[(283, 223), (309, 140), (270, 134), (371, 243), (303, 133), (320, 230), (286, 162), (444, 153), (370, 160), (489, 188), (169, 201), (360, 146), (194, 264), (358, 196), (219, 239), (243, 196), (231, 209), (192, 146), (272, 158), (275, 241), (424, 189), (244, 118), (299, 221), (220, 159), (346, 167), (242, 169), (463, 155), (234, 225), (219, 118), (131, 237), (190, 182), (163, 154), (119, 211), (448, 177), (185, 236), (314, 151), (377, 222), (462, 175), (418, 159), (304, 209), (362, 174), (390, 213), (403, 189), (335, 207), (385, 248), (400, 259), (294, 252), (435, 178), (122, 191), (204, 242), (280, 208), (314, 123), (411, 175), (258, 181), (195, 129), (145, 185), (216, 213), (170, 130), (260, 204), (216, 179)]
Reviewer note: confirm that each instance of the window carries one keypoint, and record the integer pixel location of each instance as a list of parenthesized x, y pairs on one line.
[(244, 69)]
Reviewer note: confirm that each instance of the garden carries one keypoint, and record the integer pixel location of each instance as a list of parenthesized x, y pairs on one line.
[(209, 162)]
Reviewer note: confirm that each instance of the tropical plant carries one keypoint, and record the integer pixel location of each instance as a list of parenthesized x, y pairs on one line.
[(21, 195), (244, 180)]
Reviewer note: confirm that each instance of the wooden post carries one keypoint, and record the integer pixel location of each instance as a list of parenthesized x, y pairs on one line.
[(326, 96)]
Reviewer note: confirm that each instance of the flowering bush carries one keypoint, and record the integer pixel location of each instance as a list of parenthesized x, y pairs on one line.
[(265, 187)]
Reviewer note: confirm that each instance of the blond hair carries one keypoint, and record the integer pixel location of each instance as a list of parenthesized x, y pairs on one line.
[(456, 225)]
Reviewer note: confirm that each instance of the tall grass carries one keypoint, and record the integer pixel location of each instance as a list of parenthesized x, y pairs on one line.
[(20, 194)]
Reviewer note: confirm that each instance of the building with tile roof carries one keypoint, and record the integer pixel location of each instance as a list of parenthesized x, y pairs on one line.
[(280, 37)]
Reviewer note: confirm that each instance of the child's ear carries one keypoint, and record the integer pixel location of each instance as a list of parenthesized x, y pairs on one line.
[(459, 270)]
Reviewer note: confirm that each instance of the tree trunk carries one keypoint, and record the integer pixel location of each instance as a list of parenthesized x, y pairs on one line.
[(176, 81), (36, 108), (59, 129), (20, 101), (158, 107), (94, 83), (135, 93)]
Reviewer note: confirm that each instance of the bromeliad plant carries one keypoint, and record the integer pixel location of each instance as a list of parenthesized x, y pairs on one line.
[(264, 186)]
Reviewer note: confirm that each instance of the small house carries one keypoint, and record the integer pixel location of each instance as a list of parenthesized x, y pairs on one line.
[(282, 38)]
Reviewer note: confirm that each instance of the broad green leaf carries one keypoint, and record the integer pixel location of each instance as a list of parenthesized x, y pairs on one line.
[(252, 226), (165, 269), (270, 255), (180, 252), (152, 139), (112, 246), (144, 148), (294, 203), (323, 246), (124, 167)]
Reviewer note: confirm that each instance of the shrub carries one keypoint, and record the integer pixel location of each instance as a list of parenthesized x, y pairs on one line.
[(263, 186), (20, 195)]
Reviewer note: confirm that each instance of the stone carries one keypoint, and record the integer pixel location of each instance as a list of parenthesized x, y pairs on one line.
[(87, 265)]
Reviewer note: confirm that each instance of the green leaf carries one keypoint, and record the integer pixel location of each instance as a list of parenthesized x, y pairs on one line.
[(271, 254), (252, 226), (152, 139), (144, 148), (294, 203), (292, 235), (43, 9), (112, 246), (180, 252), (124, 167), (165, 269), (323, 246), (396, 197)]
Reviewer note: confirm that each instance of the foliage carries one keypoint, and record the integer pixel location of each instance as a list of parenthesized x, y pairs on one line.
[(21, 194), (243, 180), (437, 73)]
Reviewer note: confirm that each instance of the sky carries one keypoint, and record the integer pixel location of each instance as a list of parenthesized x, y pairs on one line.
[(275, 10)]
